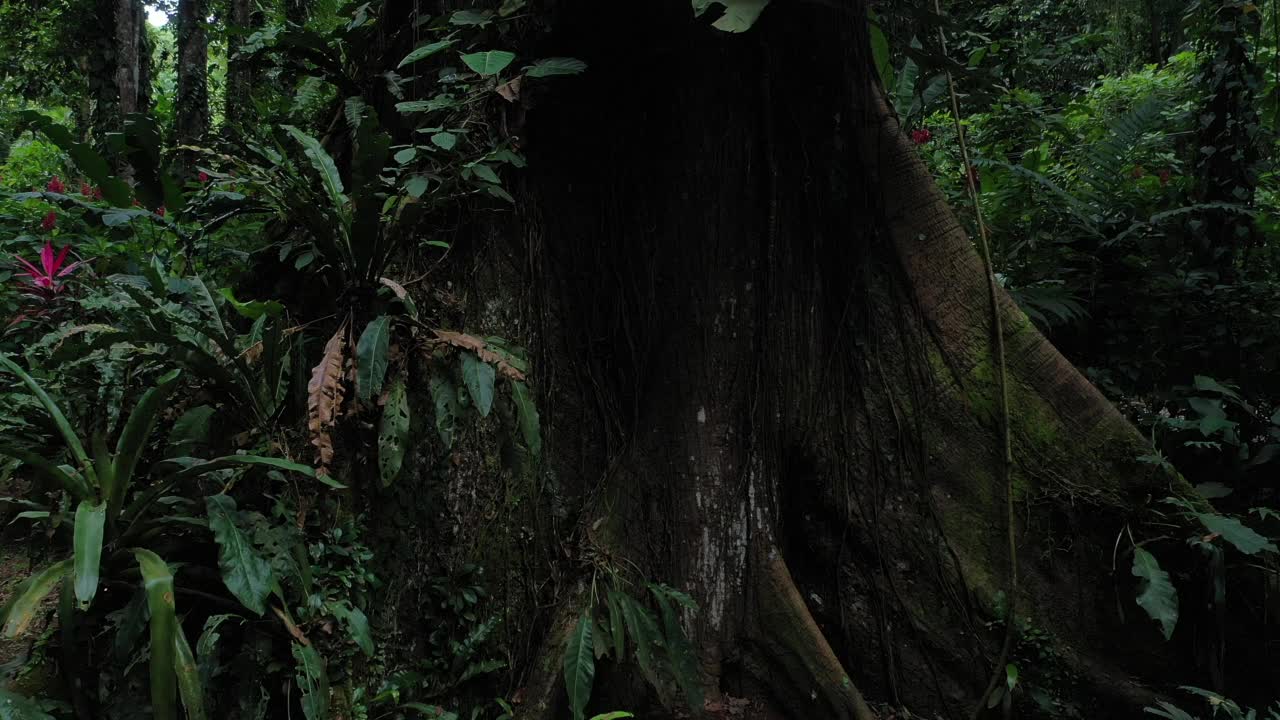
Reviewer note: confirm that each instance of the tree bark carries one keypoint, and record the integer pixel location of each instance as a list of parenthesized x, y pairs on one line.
[(192, 116), (130, 55), (102, 64), (239, 107)]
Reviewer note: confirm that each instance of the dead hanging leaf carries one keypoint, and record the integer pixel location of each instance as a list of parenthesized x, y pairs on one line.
[(325, 393), (478, 346), (396, 288), (510, 90)]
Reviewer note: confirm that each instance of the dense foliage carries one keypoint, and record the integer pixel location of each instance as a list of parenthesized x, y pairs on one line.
[(219, 355)]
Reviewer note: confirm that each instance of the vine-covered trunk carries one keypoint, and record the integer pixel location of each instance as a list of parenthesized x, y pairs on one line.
[(784, 334), (239, 106), (191, 119)]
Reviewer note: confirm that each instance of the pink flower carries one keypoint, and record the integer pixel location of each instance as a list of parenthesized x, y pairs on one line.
[(50, 221), (56, 186), (1164, 174), (204, 176), (161, 211), (921, 136), (45, 277), (97, 193)]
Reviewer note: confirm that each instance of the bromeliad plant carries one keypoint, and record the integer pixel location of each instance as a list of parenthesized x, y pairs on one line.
[(115, 534)]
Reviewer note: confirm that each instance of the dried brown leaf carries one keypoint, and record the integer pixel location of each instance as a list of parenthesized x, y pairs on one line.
[(325, 393), (478, 346)]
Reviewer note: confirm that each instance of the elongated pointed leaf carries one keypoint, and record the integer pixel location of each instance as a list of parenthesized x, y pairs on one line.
[(73, 484), (202, 467), (157, 580), (393, 432), (478, 376), (313, 679), (188, 675), (324, 166), (579, 666), (1238, 534), (1156, 594), (21, 608), (527, 417), (244, 571), (87, 543), (371, 358), (549, 67), (64, 428), (133, 440), (680, 652), (424, 52)]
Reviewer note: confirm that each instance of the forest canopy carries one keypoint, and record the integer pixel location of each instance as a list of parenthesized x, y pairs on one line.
[(552, 359)]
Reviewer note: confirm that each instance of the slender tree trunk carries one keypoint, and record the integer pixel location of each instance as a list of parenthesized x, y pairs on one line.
[(130, 55), (192, 118), (103, 61), (239, 108)]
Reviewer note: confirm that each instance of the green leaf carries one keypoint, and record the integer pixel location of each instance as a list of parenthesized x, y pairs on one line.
[(490, 62), (356, 622), (643, 630), (424, 52), (21, 607), (64, 428), (470, 18), (191, 431), (244, 571), (739, 15), (527, 417), (313, 680), (393, 432), (416, 186), (371, 358), (444, 396), (87, 545), (74, 484), (486, 173), (1233, 531), (615, 715), (252, 309), (683, 658), (18, 707), (1155, 591), (405, 156), (549, 67), (617, 629), (880, 50), (478, 376), (579, 666), (196, 468), (188, 674), (444, 140), (323, 164), (133, 440), (158, 582)]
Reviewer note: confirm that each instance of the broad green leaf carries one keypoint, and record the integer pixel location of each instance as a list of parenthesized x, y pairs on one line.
[(158, 582), (87, 545), (880, 50), (17, 707), (393, 432), (191, 431), (1155, 591), (444, 140), (643, 629), (244, 571), (444, 395), (313, 680), (252, 309), (478, 376), (356, 622), (527, 417), (207, 647), (443, 101), (64, 428), (579, 666), (133, 440), (490, 62), (372, 358), (615, 715), (424, 52), (617, 629), (21, 607), (1233, 531), (739, 15), (188, 674), (680, 652), (405, 156), (548, 67), (196, 468), (323, 164), (486, 173), (416, 186)]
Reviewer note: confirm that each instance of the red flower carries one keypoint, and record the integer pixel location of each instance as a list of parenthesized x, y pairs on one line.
[(921, 136), (56, 186), (45, 277), (50, 221), (86, 189), (1139, 171), (1164, 174), (160, 211), (974, 177), (204, 176), (97, 193)]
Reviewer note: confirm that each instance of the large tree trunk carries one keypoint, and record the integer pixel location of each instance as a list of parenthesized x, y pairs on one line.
[(769, 343), (131, 55), (192, 118), (102, 63), (239, 106)]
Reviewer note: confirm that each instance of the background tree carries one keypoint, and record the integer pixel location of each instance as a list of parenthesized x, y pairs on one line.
[(191, 105)]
